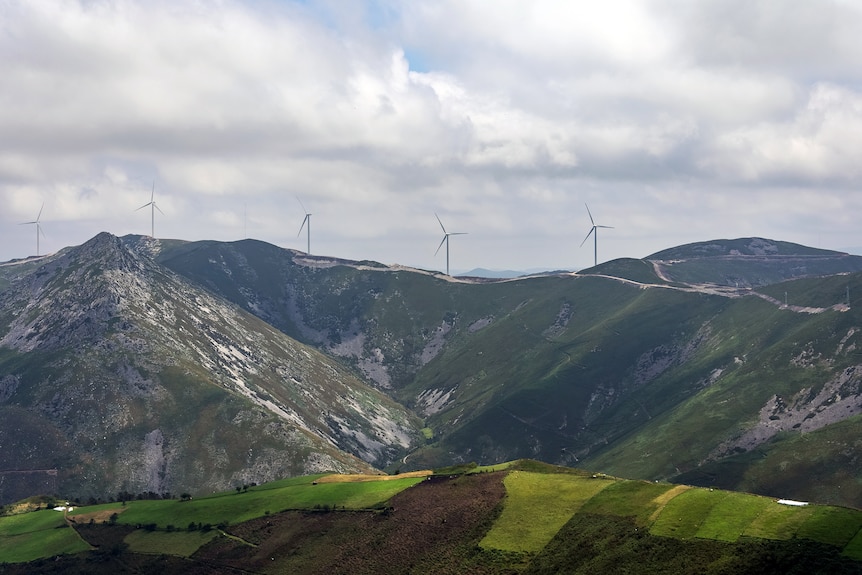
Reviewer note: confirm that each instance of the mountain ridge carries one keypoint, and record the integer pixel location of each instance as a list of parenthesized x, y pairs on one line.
[(611, 367)]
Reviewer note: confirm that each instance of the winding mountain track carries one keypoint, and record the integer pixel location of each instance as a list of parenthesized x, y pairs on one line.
[(723, 291)]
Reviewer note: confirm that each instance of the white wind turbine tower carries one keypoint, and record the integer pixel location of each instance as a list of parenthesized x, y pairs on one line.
[(306, 219), (446, 241), (153, 208), (594, 232), (38, 225)]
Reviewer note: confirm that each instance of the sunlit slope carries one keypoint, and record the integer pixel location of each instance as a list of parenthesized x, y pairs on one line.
[(526, 518)]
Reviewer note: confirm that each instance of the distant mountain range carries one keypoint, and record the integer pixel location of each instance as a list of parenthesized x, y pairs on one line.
[(161, 365)]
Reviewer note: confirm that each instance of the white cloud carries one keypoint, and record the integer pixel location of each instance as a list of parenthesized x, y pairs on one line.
[(673, 118)]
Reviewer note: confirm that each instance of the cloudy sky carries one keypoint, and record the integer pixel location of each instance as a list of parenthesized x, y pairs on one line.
[(675, 121)]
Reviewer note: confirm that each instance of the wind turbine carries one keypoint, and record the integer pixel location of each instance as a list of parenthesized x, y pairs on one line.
[(595, 233), (307, 218), (446, 241), (38, 225), (153, 208)]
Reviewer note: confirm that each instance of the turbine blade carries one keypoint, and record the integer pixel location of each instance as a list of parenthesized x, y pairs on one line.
[(304, 211), (40, 211), (445, 237), (153, 193), (439, 222), (305, 219), (608, 227), (590, 214), (458, 233), (155, 205), (592, 229), (144, 206)]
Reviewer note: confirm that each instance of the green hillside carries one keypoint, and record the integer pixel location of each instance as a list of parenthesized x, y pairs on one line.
[(523, 517), (749, 262), (641, 271), (636, 376), (739, 247)]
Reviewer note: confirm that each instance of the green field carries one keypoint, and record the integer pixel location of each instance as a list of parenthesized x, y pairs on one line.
[(638, 499), (230, 507), (537, 506), (854, 548), (685, 514), (832, 525), (541, 503), (729, 519), (37, 534), (778, 522)]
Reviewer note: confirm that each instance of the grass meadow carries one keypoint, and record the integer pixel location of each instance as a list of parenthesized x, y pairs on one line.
[(537, 506), (37, 534), (233, 507)]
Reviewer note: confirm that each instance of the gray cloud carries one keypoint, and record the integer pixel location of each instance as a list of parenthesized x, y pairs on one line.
[(679, 121)]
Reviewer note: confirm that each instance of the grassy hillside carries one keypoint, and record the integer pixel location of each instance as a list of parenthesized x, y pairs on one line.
[(740, 247), (523, 518), (641, 271), (585, 369), (750, 262)]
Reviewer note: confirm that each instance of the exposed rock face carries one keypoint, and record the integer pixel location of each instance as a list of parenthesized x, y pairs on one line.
[(808, 410), (161, 386), (64, 303)]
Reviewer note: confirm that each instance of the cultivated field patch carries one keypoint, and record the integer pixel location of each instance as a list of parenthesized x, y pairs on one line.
[(537, 505), (684, 515), (665, 497), (30, 536), (833, 525), (235, 507), (778, 521), (729, 519), (638, 499), (360, 477), (99, 516)]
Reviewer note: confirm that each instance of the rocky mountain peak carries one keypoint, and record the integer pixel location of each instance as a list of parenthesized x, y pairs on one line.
[(71, 298), (109, 252)]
